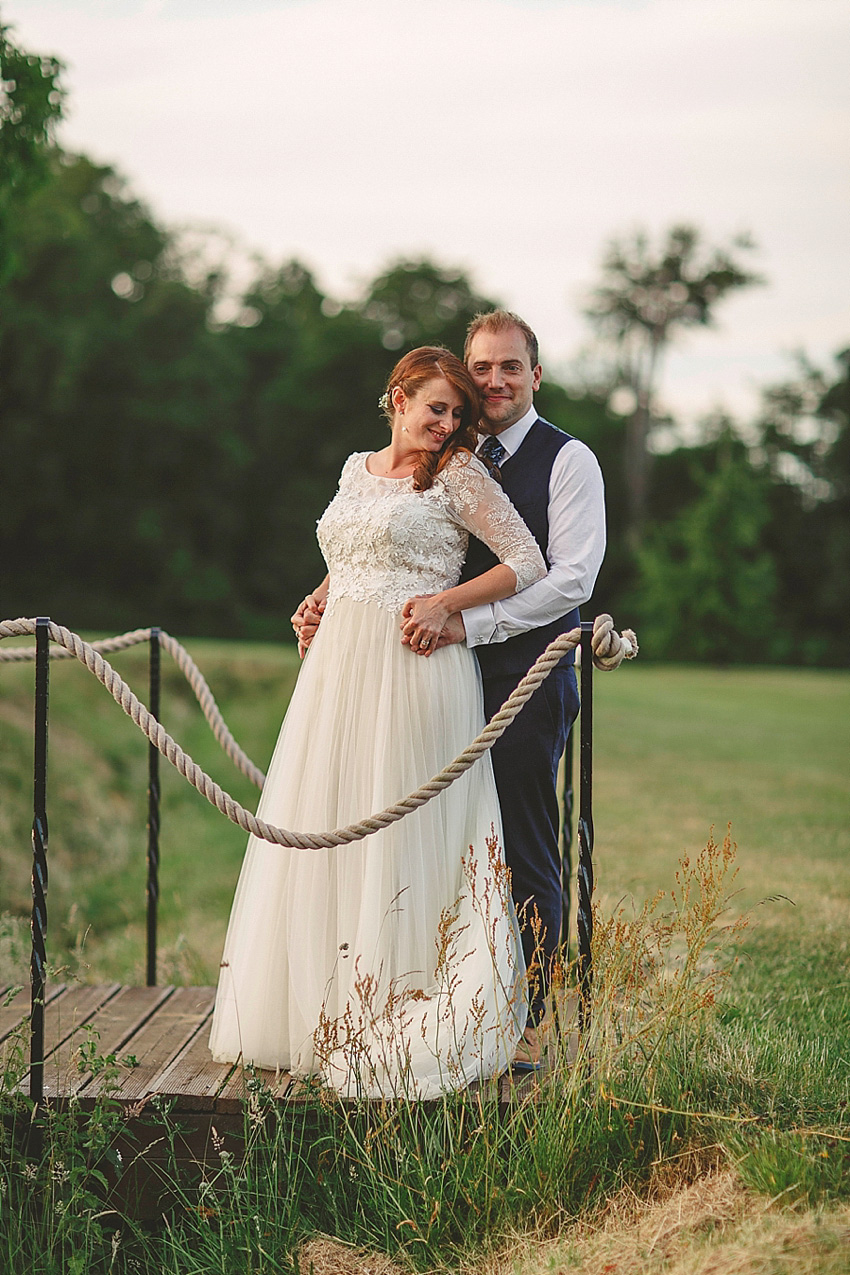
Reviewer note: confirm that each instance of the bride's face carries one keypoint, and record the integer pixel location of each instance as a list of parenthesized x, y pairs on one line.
[(427, 418)]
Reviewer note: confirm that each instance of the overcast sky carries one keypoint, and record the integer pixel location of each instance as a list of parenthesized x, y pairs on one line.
[(509, 137)]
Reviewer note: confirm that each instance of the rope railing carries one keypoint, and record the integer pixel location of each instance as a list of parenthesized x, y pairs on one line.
[(184, 662), (609, 649)]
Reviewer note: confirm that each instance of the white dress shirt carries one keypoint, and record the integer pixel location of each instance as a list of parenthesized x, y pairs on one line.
[(575, 550)]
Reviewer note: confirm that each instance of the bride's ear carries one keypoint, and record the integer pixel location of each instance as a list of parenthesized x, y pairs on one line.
[(398, 399)]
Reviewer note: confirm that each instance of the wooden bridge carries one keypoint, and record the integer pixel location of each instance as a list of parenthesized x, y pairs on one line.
[(158, 1037), (74, 1045)]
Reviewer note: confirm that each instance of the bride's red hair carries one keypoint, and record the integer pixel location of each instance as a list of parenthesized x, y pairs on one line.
[(411, 373)]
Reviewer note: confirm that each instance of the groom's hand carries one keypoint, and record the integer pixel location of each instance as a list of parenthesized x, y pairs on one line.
[(454, 631)]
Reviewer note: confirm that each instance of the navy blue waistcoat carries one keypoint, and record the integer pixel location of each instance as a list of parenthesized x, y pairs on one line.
[(525, 478)]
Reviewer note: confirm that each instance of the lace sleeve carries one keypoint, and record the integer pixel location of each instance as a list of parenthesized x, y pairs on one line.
[(351, 467), (479, 504)]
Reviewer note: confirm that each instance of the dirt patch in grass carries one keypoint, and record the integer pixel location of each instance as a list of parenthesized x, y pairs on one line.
[(324, 1256), (712, 1226)]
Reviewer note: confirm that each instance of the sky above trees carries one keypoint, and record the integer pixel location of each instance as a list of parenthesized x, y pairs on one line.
[(508, 137)]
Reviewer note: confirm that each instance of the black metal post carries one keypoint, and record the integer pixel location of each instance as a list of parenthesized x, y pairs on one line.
[(153, 811), (585, 827), (38, 958), (567, 847)]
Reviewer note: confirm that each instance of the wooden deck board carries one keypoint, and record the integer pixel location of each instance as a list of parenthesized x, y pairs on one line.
[(167, 1029), (113, 1026), (65, 1017), (192, 1077), (158, 1042), (235, 1092), (18, 1009)]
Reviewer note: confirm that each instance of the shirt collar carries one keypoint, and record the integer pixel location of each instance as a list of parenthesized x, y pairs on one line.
[(514, 435)]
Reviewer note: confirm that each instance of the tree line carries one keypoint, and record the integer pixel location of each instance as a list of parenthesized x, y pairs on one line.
[(167, 441)]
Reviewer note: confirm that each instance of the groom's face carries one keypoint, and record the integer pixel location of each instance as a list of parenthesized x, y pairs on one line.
[(500, 366)]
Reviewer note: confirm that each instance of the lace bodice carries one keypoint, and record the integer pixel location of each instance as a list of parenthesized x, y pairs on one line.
[(384, 542)]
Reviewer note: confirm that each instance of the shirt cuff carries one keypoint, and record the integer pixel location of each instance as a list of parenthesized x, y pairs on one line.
[(480, 625)]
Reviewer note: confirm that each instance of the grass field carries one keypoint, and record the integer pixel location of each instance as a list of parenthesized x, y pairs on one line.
[(677, 751)]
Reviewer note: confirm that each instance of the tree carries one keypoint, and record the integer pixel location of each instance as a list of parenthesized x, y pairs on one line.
[(804, 429), (113, 400), (707, 582), (645, 299), (31, 99), (309, 375), (420, 303)]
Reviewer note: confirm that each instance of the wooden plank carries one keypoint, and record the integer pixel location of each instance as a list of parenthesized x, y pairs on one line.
[(192, 1077), (167, 1030), (280, 1084), (158, 1042), (64, 1019), (113, 1025), (69, 1012), (18, 1009)]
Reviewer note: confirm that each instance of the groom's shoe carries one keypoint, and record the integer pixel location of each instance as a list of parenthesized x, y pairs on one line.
[(529, 1052)]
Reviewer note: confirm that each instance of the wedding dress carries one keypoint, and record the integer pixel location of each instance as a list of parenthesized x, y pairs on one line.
[(391, 966)]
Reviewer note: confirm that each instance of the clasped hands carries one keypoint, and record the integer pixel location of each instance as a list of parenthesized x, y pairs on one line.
[(427, 624), (306, 621)]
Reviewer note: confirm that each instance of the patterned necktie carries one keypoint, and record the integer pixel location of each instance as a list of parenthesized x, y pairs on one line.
[(493, 450)]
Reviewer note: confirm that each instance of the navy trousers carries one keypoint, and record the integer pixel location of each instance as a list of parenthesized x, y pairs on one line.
[(525, 762)]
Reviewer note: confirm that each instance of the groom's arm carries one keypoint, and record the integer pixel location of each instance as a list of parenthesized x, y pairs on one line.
[(575, 551)]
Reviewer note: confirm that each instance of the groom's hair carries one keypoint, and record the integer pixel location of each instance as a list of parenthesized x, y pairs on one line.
[(502, 321)]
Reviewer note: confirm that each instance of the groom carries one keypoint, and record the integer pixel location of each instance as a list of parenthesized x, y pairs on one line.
[(555, 482)]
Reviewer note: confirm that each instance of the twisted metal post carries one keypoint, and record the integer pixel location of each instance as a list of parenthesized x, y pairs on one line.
[(567, 846), (152, 890), (38, 957), (585, 830)]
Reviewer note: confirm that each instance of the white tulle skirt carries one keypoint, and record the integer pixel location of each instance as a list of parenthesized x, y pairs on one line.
[(391, 966)]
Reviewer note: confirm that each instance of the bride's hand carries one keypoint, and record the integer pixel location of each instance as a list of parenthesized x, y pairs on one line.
[(423, 618)]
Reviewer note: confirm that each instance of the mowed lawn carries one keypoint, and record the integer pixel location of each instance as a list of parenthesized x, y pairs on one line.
[(677, 751), (765, 750)]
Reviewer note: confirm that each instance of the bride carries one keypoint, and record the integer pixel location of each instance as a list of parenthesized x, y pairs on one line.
[(391, 966)]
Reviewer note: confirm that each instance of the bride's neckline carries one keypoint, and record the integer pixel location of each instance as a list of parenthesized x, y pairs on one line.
[(384, 478)]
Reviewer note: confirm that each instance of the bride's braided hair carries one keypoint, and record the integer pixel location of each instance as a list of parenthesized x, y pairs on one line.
[(414, 370)]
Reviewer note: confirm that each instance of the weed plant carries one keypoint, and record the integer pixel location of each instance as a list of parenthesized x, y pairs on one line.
[(53, 1175)]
